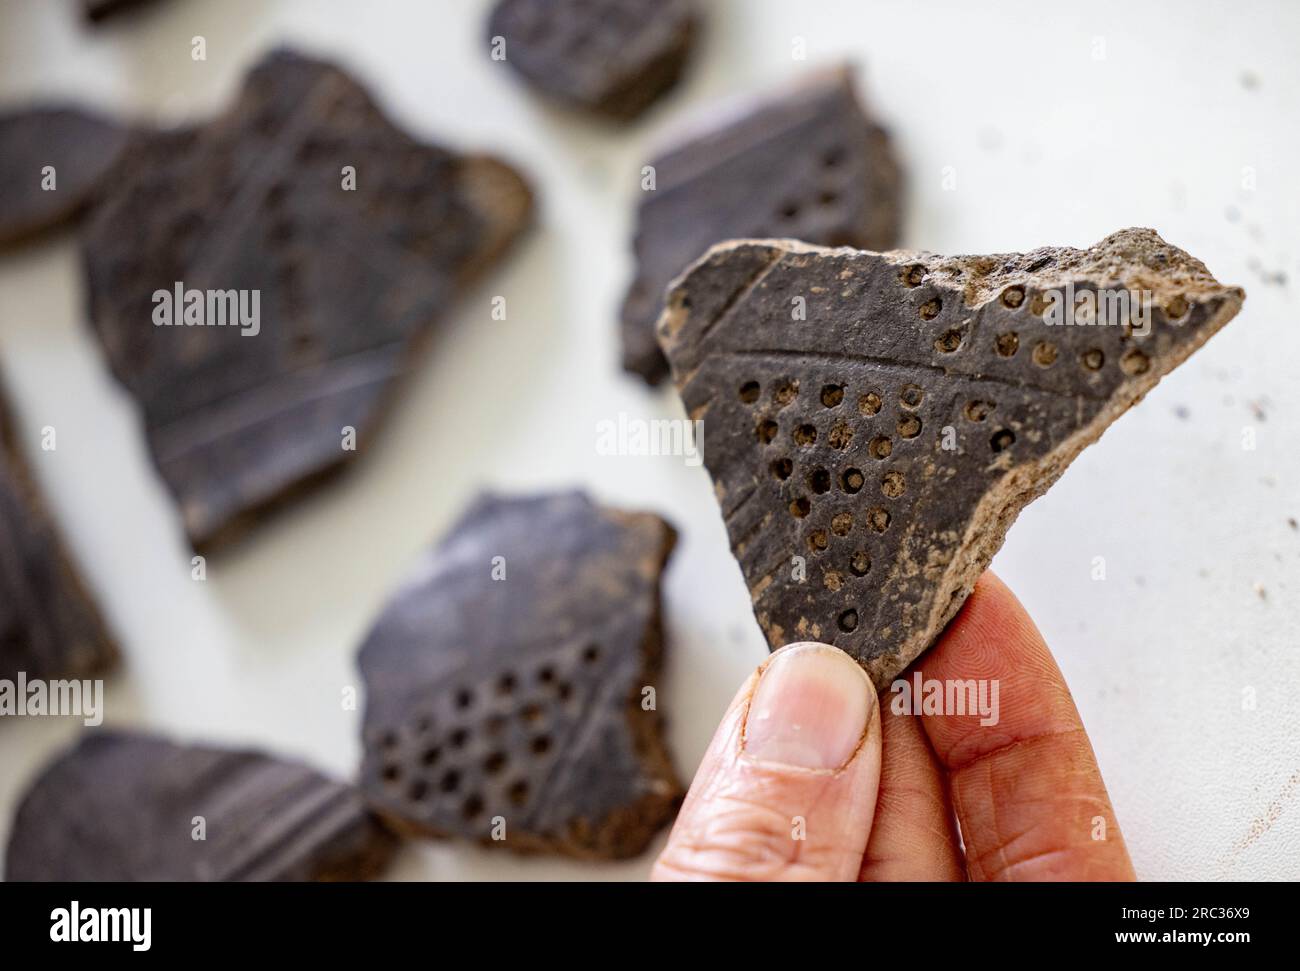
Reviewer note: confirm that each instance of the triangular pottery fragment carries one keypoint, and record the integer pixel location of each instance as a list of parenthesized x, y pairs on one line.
[(874, 422)]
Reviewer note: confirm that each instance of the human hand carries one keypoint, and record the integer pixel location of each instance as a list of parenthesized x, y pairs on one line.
[(794, 785)]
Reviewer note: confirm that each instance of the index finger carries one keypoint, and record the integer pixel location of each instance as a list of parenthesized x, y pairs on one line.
[(1025, 786)]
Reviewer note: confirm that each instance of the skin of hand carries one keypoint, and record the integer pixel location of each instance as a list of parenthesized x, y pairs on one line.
[(809, 778)]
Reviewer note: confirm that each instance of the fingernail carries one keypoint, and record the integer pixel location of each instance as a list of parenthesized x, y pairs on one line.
[(810, 708)]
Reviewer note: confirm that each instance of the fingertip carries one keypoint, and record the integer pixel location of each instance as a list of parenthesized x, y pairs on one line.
[(813, 708), (787, 789), (1023, 778)]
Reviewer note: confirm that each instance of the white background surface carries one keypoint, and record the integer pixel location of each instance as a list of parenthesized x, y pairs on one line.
[(1049, 144)]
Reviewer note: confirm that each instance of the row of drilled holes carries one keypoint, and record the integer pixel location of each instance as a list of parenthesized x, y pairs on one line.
[(1133, 362), (910, 396), (496, 761), (507, 683)]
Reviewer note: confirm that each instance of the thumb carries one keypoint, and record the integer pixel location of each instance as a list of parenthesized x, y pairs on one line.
[(787, 789)]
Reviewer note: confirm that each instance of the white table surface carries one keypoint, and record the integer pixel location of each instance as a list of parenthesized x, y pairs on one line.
[(1049, 143)]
